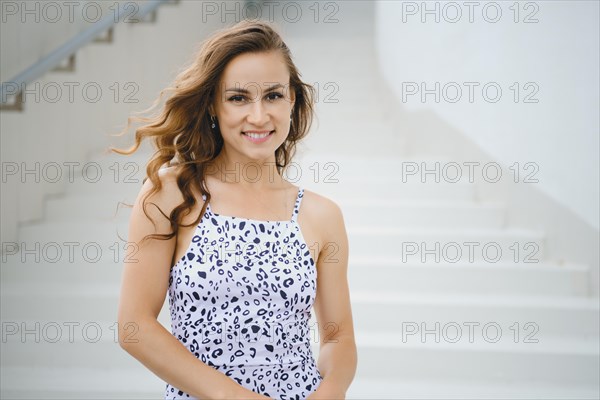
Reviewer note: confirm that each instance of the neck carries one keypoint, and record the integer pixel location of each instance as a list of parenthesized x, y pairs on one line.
[(249, 173)]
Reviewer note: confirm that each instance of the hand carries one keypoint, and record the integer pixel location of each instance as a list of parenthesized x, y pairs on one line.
[(327, 392)]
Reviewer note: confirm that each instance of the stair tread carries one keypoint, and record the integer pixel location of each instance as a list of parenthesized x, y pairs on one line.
[(365, 229), (350, 202), (453, 230), (549, 344), (383, 263), (142, 384), (447, 299), (394, 262), (482, 300)]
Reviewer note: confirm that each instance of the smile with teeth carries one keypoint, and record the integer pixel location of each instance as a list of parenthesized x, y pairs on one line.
[(257, 137)]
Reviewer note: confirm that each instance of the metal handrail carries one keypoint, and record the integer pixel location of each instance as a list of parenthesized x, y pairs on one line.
[(15, 86)]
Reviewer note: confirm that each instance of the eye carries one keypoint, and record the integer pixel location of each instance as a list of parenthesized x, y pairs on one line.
[(236, 99), (276, 96)]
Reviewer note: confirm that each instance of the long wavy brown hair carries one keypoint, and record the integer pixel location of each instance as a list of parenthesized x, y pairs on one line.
[(181, 130)]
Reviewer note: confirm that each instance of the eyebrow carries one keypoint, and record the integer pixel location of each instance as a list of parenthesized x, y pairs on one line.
[(245, 91)]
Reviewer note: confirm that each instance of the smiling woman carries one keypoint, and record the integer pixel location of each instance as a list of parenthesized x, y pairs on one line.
[(251, 114), (241, 281)]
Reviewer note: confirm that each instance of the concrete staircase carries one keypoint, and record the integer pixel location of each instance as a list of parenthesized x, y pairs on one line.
[(505, 329), (541, 328)]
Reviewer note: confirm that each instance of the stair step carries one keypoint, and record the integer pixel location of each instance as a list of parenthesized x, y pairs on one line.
[(107, 240), (444, 214), (115, 168), (448, 245), (54, 382), (405, 388), (115, 383), (546, 315), (391, 275), (561, 359), (365, 190), (425, 215), (511, 316), (558, 360), (330, 175), (364, 273)]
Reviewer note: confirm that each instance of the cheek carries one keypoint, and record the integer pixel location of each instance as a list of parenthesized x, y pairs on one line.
[(231, 117), (281, 113)]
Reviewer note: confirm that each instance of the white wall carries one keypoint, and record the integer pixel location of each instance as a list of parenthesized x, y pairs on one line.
[(559, 54)]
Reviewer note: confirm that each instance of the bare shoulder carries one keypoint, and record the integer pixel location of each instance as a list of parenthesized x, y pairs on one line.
[(166, 198), (168, 178), (320, 205), (325, 212)]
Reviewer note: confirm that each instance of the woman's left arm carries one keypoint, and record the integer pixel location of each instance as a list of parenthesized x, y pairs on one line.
[(337, 351)]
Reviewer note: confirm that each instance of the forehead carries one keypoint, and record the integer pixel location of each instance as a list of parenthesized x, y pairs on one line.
[(255, 69)]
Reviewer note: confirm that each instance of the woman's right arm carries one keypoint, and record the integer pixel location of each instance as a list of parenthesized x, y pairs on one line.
[(144, 287)]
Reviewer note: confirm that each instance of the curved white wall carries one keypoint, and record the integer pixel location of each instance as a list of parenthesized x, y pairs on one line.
[(558, 54)]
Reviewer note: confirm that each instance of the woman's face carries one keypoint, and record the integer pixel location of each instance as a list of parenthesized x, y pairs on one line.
[(253, 105)]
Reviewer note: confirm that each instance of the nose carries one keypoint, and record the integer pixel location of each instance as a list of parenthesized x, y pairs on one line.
[(257, 115)]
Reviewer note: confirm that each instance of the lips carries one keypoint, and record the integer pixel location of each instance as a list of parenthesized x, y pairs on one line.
[(257, 132), (257, 136)]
